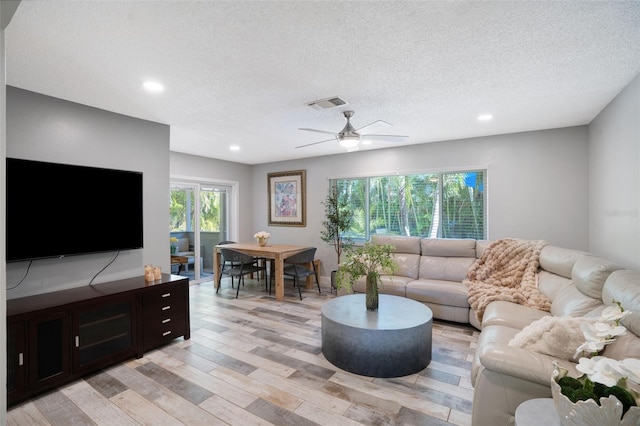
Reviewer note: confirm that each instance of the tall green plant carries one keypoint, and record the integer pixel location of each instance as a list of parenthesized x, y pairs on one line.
[(338, 218)]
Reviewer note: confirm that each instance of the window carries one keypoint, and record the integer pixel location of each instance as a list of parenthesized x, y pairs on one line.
[(444, 205), (182, 208)]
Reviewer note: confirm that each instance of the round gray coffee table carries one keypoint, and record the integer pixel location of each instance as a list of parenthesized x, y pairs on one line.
[(393, 341)]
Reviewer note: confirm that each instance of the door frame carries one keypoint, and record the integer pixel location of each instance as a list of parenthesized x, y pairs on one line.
[(232, 202)]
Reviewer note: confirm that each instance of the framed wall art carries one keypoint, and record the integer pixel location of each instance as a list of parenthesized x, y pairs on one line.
[(287, 198)]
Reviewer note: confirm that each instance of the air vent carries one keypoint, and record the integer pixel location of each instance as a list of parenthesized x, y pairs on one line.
[(327, 103)]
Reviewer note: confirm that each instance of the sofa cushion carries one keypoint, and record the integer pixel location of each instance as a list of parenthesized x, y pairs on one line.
[(481, 245), (449, 293), (401, 244), (551, 284), (627, 346), (572, 302), (589, 274), (407, 264), (624, 286), (559, 260), (444, 268), (448, 247), (183, 244), (389, 284)]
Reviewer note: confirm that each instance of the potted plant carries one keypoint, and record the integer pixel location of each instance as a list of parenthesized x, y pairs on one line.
[(338, 219), (370, 261)]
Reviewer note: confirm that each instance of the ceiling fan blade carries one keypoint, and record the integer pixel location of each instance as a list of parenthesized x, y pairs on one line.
[(316, 130), (315, 143), (384, 137), (378, 124)]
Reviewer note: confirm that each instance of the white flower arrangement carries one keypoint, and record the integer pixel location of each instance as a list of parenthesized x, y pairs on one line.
[(601, 376), (602, 331), (262, 234), (610, 372)]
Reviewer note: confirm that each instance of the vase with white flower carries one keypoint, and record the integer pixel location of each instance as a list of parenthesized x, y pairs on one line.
[(262, 238), (370, 261), (604, 394)]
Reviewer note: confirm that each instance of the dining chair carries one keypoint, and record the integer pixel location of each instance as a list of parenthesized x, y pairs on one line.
[(296, 267), (225, 263), (240, 264)]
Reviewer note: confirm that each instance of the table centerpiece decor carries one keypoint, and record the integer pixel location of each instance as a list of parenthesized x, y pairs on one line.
[(369, 260), (262, 238)]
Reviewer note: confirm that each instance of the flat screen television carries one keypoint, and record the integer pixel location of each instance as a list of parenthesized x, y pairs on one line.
[(58, 210)]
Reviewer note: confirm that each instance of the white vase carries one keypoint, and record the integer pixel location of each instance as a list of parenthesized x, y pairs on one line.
[(589, 413)]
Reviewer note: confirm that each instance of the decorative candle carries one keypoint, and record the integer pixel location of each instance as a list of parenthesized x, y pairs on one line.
[(157, 273), (148, 273)]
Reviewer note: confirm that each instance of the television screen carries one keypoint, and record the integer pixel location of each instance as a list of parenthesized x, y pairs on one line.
[(57, 210)]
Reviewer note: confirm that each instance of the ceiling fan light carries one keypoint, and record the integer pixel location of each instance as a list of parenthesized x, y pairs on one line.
[(349, 141)]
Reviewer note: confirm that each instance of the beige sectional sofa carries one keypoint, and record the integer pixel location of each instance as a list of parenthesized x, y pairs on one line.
[(431, 271), (578, 283)]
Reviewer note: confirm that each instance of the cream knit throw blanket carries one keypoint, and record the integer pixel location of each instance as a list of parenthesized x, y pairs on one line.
[(507, 270)]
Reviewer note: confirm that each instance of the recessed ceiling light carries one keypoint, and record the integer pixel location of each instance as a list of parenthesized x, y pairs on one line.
[(485, 117), (234, 148), (153, 86)]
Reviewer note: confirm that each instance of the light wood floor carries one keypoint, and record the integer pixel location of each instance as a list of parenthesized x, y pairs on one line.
[(258, 361)]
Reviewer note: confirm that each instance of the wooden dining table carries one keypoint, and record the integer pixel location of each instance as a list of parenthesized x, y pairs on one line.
[(274, 252)]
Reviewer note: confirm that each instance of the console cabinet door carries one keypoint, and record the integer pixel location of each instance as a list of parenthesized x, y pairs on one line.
[(48, 349), (16, 351), (103, 332)]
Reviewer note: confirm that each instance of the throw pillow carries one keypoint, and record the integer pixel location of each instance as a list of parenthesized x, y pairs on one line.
[(558, 337)]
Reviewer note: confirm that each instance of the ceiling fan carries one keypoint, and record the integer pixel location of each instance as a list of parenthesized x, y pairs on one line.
[(349, 137)]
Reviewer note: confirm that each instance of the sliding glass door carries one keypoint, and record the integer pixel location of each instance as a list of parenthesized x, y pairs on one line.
[(198, 214)]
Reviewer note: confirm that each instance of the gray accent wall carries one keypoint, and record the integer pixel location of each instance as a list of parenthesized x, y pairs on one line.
[(44, 128), (7, 9), (614, 179), (537, 184)]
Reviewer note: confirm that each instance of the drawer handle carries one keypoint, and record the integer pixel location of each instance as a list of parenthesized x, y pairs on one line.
[(166, 295), (166, 333), (164, 308), (164, 321), (21, 358), (77, 341)]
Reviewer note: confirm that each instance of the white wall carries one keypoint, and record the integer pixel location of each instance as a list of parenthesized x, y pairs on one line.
[(614, 179), (537, 184), (49, 129)]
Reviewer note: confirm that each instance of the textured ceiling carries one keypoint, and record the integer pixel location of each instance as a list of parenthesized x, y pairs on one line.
[(242, 73)]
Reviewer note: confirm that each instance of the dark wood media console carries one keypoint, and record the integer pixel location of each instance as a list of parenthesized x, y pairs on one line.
[(55, 338)]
